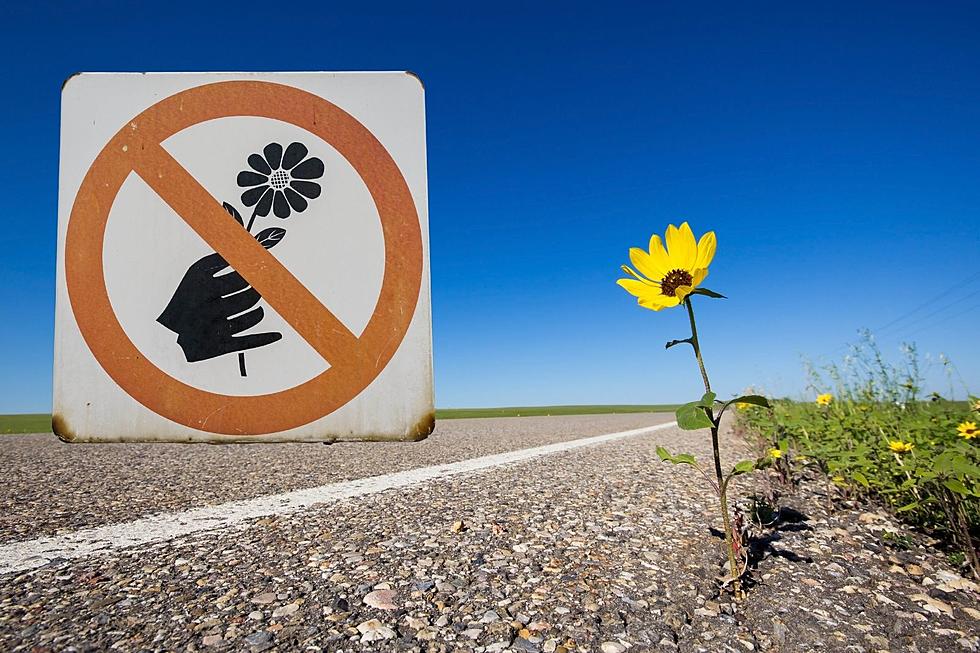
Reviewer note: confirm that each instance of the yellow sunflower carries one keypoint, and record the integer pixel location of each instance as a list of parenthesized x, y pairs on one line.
[(664, 277), (900, 447), (824, 399), (968, 430)]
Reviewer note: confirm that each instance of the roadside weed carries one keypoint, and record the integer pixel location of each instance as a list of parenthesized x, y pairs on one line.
[(670, 276), (877, 439)]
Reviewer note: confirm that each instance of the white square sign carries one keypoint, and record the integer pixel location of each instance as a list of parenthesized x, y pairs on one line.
[(243, 257)]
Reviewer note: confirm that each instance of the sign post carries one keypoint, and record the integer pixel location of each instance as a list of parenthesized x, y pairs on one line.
[(243, 258)]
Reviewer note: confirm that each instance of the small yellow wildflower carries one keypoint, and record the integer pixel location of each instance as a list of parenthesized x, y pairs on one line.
[(776, 454), (824, 399), (664, 277), (900, 447), (968, 430), (742, 405)]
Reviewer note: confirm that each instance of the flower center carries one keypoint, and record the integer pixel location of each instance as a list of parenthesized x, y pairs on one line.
[(674, 280), (279, 179)]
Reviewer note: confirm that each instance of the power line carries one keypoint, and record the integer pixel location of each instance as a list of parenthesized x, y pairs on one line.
[(948, 319), (928, 302)]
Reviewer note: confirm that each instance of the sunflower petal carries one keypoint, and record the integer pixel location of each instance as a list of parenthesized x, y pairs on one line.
[(706, 250), (658, 302), (633, 273), (681, 292), (653, 306), (681, 247), (658, 255), (637, 288), (645, 264), (698, 276)]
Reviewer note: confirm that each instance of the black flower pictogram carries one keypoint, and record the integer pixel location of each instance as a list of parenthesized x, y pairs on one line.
[(280, 181)]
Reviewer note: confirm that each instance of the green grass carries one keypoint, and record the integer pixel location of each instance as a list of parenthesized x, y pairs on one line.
[(533, 411), (25, 423), (42, 423)]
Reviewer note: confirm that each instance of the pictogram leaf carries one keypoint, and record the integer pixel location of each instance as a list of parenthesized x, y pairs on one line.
[(234, 213), (270, 237)]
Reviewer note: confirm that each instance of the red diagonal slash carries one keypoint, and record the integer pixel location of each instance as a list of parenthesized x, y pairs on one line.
[(277, 285)]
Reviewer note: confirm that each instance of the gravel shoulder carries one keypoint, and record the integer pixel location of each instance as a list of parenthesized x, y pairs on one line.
[(601, 549)]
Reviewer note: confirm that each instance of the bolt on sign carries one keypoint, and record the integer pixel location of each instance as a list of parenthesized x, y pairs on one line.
[(243, 258)]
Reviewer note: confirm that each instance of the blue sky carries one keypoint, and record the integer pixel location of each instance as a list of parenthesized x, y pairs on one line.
[(833, 148)]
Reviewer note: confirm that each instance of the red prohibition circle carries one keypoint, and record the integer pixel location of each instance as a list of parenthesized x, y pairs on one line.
[(355, 361)]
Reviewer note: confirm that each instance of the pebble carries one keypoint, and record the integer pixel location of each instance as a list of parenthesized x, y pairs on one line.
[(611, 647), (257, 639), (264, 599), (285, 610), (381, 599), (373, 630)]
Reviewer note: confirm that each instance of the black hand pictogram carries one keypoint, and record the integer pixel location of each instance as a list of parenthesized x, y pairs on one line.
[(208, 310)]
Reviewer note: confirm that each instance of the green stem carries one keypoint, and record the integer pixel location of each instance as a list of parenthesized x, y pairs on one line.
[(697, 349), (722, 486)]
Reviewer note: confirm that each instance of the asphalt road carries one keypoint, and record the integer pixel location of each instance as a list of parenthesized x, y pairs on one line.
[(52, 487), (599, 547)]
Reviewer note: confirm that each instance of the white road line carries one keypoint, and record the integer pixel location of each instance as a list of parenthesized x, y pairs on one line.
[(31, 554)]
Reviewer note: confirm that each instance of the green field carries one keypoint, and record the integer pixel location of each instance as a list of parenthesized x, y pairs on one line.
[(42, 423), (38, 423)]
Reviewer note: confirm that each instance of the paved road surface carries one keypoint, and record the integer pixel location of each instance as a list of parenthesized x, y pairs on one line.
[(599, 547)]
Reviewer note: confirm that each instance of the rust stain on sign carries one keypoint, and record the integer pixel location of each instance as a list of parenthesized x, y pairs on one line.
[(60, 428), (423, 428)]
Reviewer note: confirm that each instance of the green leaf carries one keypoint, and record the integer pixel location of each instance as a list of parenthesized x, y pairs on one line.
[(685, 459), (679, 459), (953, 485), (692, 417), (707, 400), (861, 478), (755, 400), (743, 467), (943, 463), (708, 293), (960, 465), (906, 508)]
